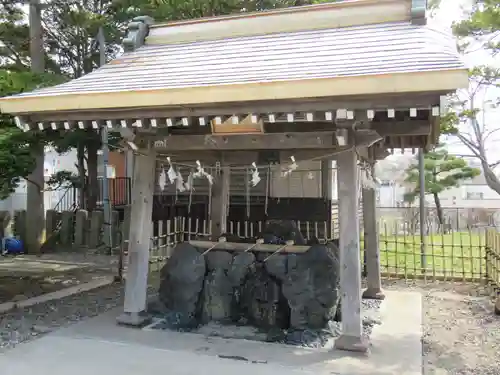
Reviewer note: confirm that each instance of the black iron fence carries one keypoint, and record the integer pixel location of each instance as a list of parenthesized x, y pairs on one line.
[(120, 194)]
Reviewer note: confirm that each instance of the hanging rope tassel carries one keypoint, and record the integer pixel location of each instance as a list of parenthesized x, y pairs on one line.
[(221, 240), (288, 243), (260, 241)]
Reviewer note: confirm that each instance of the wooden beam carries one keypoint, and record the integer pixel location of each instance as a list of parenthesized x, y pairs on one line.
[(366, 138), (350, 264), (235, 246), (385, 128), (245, 158), (277, 141), (399, 128), (396, 142), (237, 125), (141, 230), (219, 208), (371, 241), (380, 154), (421, 100)]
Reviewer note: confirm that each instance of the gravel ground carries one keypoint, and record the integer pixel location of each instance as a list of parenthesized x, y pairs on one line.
[(461, 333), (307, 338), (25, 324)]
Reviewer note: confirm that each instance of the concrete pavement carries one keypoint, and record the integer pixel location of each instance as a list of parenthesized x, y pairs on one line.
[(98, 346)]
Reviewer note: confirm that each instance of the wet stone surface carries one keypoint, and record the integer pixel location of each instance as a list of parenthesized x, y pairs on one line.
[(290, 298)]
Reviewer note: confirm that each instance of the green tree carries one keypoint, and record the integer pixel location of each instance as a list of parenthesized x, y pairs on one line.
[(71, 51), (70, 29), (467, 120), (442, 171), (16, 147)]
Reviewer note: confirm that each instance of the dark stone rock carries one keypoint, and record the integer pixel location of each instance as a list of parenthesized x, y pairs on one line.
[(182, 281), (338, 314), (218, 260), (177, 321), (261, 300), (312, 287), (312, 338), (217, 297), (276, 266), (276, 334), (280, 231), (156, 307), (240, 267), (299, 292), (333, 245)]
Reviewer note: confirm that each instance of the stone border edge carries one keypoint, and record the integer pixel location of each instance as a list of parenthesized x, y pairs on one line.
[(59, 294)]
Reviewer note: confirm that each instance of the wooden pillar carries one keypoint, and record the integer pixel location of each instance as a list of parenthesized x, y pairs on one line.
[(326, 192), (141, 226), (351, 338), (373, 279), (220, 203)]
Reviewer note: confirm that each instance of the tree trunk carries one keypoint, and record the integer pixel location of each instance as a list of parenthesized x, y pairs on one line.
[(439, 209), (93, 184), (82, 196), (35, 218), (491, 179)]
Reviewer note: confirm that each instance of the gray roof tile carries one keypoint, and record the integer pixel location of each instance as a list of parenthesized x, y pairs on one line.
[(351, 51)]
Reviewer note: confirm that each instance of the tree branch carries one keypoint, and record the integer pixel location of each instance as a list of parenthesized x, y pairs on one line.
[(34, 183)]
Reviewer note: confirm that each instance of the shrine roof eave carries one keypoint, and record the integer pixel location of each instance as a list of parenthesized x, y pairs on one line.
[(297, 90)]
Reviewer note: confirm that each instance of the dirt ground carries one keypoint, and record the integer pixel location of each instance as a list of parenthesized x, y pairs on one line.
[(461, 333), (15, 288)]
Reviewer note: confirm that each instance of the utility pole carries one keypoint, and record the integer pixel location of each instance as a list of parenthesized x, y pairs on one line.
[(108, 230), (35, 218), (421, 179)]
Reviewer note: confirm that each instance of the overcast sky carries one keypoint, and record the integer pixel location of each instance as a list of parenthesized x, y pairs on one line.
[(450, 11)]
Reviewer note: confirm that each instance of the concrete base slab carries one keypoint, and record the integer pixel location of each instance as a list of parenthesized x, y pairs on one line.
[(134, 319), (100, 346), (352, 344), (376, 294)]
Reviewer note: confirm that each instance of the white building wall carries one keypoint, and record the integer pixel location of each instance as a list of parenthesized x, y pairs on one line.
[(53, 163), (459, 197)]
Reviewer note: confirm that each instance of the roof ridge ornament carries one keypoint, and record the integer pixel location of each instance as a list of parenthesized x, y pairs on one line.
[(137, 31), (419, 12)]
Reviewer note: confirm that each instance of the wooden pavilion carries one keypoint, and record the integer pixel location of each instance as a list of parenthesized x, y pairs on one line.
[(332, 82)]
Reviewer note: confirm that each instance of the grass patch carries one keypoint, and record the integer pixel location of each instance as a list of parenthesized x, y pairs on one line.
[(456, 255)]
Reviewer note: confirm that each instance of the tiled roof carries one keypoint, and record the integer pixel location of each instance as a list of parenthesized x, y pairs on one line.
[(377, 49)]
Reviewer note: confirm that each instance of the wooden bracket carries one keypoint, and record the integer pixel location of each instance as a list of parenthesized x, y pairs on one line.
[(235, 125)]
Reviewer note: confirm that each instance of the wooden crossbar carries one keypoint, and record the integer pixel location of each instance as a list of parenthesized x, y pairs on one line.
[(236, 246)]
